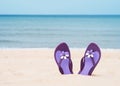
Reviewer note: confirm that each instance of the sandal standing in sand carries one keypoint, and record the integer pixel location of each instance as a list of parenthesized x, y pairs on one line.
[(63, 59), (90, 60)]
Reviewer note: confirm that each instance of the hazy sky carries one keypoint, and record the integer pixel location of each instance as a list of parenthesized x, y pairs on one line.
[(60, 7)]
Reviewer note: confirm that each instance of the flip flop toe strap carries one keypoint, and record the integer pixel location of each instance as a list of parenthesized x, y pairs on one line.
[(92, 59), (62, 60), (90, 54)]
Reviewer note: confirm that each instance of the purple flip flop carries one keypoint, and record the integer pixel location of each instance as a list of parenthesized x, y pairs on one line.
[(90, 60), (63, 59)]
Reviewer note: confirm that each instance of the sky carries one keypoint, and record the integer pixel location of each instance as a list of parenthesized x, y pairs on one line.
[(65, 7)]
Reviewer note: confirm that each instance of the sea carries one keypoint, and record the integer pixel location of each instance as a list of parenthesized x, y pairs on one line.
[(47, 31)]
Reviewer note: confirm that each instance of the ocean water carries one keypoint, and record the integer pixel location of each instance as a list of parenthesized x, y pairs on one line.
[(47, 31)]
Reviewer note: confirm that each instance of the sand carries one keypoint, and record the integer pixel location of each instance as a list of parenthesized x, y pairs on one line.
[(37, 67)]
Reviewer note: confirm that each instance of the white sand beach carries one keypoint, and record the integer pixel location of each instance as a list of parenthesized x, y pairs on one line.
[(37, 67)]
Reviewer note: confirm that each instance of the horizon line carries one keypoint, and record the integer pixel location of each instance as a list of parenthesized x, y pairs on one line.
[(59, 14)]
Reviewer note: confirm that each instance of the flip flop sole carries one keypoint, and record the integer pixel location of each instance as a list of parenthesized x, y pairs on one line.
[(90, 59), (63, 59)]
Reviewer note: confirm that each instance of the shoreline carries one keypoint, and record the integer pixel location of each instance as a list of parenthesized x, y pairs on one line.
[(54, 48)]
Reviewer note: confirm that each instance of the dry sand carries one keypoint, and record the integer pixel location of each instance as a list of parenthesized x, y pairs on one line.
[(37, 67)]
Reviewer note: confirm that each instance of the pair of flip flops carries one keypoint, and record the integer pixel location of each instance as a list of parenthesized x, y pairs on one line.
[(88, 62)]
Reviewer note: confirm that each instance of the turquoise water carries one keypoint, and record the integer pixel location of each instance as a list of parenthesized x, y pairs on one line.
[(45, 31)]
